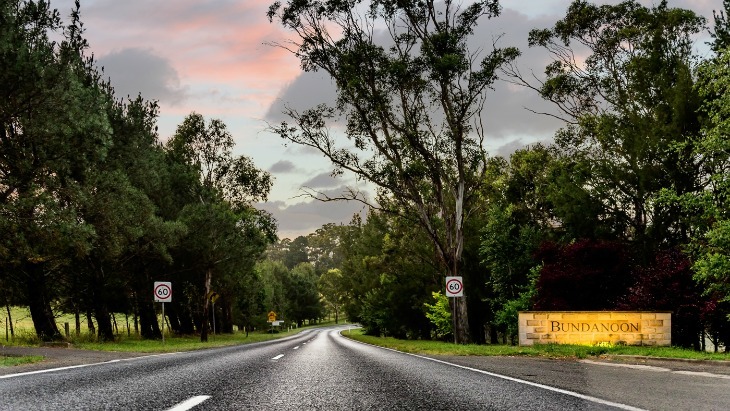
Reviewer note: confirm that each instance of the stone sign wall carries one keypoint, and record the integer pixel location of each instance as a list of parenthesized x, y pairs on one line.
[(595, 327)]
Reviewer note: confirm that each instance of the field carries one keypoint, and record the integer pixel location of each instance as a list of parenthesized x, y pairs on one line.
[(127, 340), (23, 331)]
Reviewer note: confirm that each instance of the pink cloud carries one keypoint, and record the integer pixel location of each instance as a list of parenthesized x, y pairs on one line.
[(215, 43)]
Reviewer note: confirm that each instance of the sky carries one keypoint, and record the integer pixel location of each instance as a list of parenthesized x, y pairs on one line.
[(214, 57)]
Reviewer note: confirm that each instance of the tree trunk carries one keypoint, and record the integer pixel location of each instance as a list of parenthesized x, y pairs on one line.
[(149, 328), (10, 321), (461, 333), (101, 313), (39, 305), (226, 320), (204, 320), (114, 323), (90, 322), (77, 317)]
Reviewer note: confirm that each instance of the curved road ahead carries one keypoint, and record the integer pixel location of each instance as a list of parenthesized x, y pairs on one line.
[(313, 370)]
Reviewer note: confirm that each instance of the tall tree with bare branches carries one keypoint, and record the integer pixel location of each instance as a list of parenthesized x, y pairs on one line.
[(410, 94)]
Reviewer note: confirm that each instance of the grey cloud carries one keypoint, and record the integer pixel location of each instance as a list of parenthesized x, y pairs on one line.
[(308, 90), (305, 217), (283, 166), (133, 71), (322, 180), (509, 148)]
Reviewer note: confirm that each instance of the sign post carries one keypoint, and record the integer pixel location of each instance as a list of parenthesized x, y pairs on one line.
[(213, 297), (272, 320), (163, 294), (454, 289)]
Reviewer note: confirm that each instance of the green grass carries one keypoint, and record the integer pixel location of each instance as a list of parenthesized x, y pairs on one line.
[(180, 343), (24, 335), (548, 350), (9, 361)]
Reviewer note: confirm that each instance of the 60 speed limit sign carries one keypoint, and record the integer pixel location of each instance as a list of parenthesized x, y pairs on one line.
[(163, 292), (454, 287)]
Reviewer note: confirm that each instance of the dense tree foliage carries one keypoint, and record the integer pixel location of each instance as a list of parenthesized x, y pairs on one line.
[(93, 208)]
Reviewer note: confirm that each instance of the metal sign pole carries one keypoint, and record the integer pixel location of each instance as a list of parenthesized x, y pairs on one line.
[(453, 317), (213, 319), (163, 323)]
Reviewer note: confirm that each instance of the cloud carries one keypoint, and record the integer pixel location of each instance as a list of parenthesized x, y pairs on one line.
[(133, 71), (305, 217), (307, 90), (322, 180), (282, 166)]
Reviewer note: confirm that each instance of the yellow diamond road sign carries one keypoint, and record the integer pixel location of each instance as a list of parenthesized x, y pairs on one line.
[(272, 316)]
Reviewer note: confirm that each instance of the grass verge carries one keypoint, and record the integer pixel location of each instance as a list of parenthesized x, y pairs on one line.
[(547, 350), (9, 361)]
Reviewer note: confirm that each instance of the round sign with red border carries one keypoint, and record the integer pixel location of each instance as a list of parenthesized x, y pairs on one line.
[(454, 287), (163, 292)]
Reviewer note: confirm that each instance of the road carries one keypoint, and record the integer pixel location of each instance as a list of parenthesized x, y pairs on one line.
[(321, 370)]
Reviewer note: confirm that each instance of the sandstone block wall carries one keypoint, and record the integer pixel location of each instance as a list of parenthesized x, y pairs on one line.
[(595, 327)]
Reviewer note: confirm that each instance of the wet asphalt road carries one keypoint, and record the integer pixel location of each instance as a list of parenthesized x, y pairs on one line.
[(314, 370)]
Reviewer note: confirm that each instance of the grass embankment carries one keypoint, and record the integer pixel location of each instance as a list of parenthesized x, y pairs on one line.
[(549, 350), (126, 341)]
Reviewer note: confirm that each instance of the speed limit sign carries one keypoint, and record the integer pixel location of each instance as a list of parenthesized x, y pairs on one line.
[(163, 292), (454, 287)]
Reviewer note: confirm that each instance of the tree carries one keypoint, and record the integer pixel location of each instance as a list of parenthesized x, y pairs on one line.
[(389, 271), (227, 186), (667, 285), (412, 104), (330, 285), (630, 109), (302, 294), (54, 128), (296, 253), (585, 275), (711, 242), (323, 247)]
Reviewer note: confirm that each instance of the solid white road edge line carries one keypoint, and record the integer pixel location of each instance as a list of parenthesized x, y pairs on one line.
[(659, 369), (189, 403), (277, 357), (70, 367), (506, 377), (632, 366)]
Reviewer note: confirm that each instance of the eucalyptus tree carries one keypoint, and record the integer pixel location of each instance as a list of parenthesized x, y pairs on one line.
[(630, 109), (411, 104)]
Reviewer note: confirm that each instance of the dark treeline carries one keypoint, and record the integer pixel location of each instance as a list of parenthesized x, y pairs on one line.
[(94, 209)]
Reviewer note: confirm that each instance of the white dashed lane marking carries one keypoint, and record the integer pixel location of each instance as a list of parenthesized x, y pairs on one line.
[(278, 356), (189, 403)]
